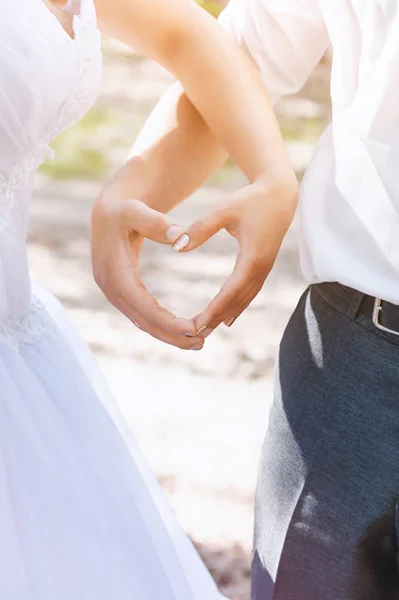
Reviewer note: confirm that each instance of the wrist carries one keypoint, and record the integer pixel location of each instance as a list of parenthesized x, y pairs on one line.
[(135, 181), (282, 186)]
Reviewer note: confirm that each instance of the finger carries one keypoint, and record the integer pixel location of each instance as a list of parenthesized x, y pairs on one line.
[(236, 294), (148, 222), (231, 291), (138, 297), (130, 292), (227, 312), (203, 229), (180, 341), (234, 312), (122, 285)]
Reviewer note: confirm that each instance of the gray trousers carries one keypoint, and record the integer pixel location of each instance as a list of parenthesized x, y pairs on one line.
[(329, 469)]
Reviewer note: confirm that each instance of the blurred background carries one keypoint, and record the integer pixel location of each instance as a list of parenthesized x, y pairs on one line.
[(199, 417)]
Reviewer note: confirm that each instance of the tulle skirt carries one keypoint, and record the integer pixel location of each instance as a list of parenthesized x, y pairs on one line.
[(81, 515)]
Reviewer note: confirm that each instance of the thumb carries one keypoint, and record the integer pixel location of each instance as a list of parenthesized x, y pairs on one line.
[(149, 223), (201, 231)]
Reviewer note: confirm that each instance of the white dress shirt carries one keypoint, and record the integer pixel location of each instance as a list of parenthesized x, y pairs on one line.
[(349, 203)]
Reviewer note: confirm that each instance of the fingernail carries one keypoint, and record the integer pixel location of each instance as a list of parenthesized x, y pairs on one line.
[(202, 330), (137, 325), (189, 334), (230, 322), (207, 332), (181, 243), (173, 233), (197, 347)]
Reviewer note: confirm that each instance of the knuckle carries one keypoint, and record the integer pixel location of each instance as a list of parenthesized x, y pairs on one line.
[(104, 210), (198, 228), (158, 222), (224, 209), (183, 344), (134, 204), (216, 318), (226, 214), (133, 207)]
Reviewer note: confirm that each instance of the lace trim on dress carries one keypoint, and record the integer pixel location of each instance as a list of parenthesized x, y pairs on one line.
[(8, 188), (15, 332)]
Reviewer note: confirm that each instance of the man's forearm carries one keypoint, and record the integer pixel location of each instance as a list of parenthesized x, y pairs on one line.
[(174, 155), (216, 74)]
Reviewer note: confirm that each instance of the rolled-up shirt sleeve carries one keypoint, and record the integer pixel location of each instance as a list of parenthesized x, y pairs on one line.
[(285, 38)]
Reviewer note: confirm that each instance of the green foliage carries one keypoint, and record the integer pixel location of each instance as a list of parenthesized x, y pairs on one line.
[(307, 129), (214, 8), (79, 152)]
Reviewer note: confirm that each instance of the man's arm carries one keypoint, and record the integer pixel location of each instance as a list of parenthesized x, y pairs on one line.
[(173, 155)]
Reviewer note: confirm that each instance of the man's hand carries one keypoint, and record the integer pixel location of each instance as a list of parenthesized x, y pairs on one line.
[(258, 216), (118, 231)]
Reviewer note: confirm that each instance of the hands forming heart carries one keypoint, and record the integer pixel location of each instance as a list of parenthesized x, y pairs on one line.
[(258, 217)]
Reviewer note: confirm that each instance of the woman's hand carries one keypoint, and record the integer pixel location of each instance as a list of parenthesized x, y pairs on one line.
[(258, 216), (118, 231)]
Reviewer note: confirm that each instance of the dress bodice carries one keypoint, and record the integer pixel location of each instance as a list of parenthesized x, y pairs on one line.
[(48, 80)]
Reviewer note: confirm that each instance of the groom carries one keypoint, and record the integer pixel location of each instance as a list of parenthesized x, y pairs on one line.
[(339, 540)]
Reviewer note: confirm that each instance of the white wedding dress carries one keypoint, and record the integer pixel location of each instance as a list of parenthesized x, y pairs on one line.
[(81, 516)]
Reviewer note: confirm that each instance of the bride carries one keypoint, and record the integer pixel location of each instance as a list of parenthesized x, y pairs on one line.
[(81, 516)]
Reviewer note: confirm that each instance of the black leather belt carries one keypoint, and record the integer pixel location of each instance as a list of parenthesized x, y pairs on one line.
[(384, 315), (381, 314)]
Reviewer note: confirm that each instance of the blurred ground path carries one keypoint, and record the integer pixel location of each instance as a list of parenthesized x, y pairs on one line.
[(199, 417)]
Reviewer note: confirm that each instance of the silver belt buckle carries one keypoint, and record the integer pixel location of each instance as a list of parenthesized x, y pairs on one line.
[(376, 318)]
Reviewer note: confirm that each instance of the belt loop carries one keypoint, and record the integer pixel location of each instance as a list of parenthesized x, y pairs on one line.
[(355, 305)]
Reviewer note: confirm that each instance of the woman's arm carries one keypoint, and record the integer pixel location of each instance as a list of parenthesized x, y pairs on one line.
[(222, 83)]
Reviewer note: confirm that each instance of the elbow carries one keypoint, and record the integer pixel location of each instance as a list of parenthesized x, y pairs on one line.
[(178, 48), (170, 46)]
